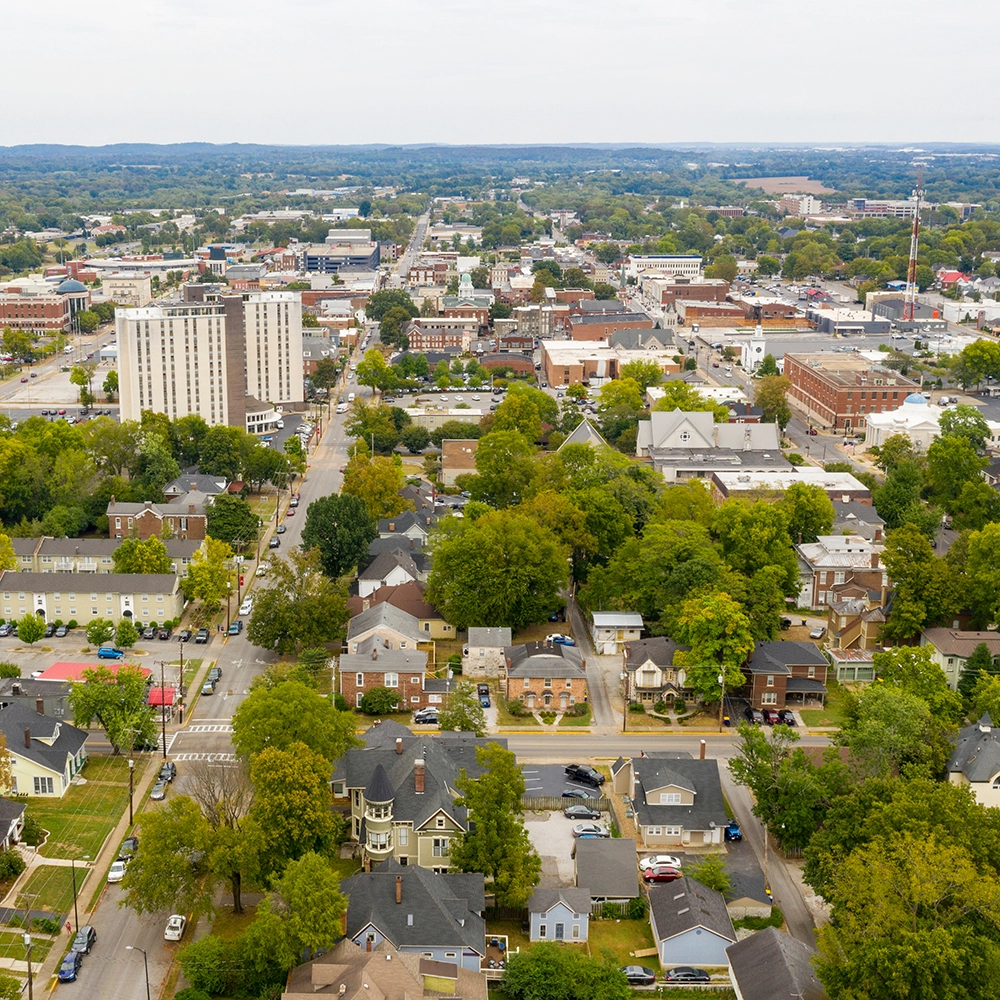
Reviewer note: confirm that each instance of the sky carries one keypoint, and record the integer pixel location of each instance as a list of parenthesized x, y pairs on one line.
[(329, 72)]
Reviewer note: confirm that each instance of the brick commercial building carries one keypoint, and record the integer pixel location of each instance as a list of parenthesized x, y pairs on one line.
[(837, 392), (720, 313), (760, 308), (37, 307), (660, 289), (437, 333), (600, 326)]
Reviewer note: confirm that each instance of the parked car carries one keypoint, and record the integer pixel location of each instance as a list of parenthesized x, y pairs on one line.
[(655, 860), (129, 846), (6, 629), (202, 636), (576, 793), (275, 543), (786, 716), (818, 632), (175, 927), (208, 688), (753, 715), (686, 974), (426, 716), (73, 960), (184, 635), (281, 529), (590, 830), (584, 773), (247, 606), (165, 633), (483, 693), (661, 873), (62, 631), (639, 975), (771, 716), (236, 627), (110, 653), (50, 630), (786, 623), (581, 812), (158, 793), (560, 640), (117, 871), (168, 771), (215, 674), (149, 633), (85, 938), (732, 831)]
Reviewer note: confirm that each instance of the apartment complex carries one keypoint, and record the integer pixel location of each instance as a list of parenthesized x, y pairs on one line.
[(838, 392), (665, 263), (231, 361)]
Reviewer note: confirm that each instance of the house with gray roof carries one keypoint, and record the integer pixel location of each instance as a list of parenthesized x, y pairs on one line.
[(389, 569), (399, 629), (677, 801), (45, 753), (607, 869), (11, 822), (613, 629), (483, 655), (771, 965), (436, 915), (190, 482), (375, 663), (559, 914), (975, 761), (584, 433), (545, 675), (184, 518), (851, 517), (49, 697), (411, 523), (414, 816), (783, 671), (690, 922), (642, 339), (649, 666)]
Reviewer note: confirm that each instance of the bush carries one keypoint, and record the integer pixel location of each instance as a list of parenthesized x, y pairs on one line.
[(637, 707), (661, 706), (58, 622), (208, 964), (680, 706), (33, 831), (776, 919), (516, 708), (46, 925), (190, 993), (581, 708), (379, 701), (11, 865), (72, 623), (795, 458), (340, 703), (9, 670), (15, 920)]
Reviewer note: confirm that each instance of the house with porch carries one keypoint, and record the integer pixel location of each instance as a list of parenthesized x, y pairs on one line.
[(45, 754), (651, 676), (376, 664), (783, 672)]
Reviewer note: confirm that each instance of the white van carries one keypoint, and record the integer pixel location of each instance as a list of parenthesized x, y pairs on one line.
[(68, 350), (350, 397)]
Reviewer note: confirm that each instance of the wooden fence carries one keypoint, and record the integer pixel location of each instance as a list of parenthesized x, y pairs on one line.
[(543, 803)]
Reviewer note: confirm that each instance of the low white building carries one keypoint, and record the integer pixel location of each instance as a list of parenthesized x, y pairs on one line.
[(918, 420), (613, 629)]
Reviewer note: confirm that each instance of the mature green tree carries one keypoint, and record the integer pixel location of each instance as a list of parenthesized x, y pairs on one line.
[(689, 501), (209, 577), (391, 328), (985, 697), (290, 814), (498, 844), (126, 634), (505, 468), (720, 637), (977, 505), (381, 302), (502, 569), (951, 463), (373, 423), (137, 556), (979, 664), (100, 631), (455, 430), (982, 583), (164, 876), (376, 482), (117, 701), (767, 367), (808, 510), (224, 451), (621, 392), (968, 422), (681, 396), (755, 535), (110, 385), (30, 628), (341, 528), (288, 713), (311, 904), (231, 519), (373, 370), (518, 413), (645, 373), (760, 755), (301, 608), (771, 395), (711, 871), (463, 711), (911, 669), (415, 438), (550, 970)]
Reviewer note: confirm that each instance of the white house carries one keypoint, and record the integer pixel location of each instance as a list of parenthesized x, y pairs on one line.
[(613, 629), (559, 914), (483, 655), (976, 761)]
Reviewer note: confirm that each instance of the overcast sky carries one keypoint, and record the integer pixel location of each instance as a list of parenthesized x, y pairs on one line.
[(480, 71)]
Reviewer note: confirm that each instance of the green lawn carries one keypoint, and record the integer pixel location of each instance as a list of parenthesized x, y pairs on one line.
[(512, 929), (504, 718), (575, 720), (12, 946), (832, 714), (345, 867), (621, 937), (53, 885), (83, 817), (106, 769)]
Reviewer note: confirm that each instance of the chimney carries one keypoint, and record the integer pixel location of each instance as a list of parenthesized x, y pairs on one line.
[(191, 507), (15, 688), (399, 745), (701, 753), (194, 486), (27, 744), (149, 504), (418, 776), (392, 525), (399, 888), (368, 944), (39, 706), (111, 502)]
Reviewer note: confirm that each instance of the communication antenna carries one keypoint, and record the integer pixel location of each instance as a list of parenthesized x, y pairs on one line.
[(911, 272)]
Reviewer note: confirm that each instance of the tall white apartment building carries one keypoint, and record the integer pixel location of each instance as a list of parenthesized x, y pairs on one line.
[(232, 361), (688, 265)]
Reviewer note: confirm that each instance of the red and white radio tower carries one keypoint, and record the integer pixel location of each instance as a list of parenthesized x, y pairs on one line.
[(911, 272)]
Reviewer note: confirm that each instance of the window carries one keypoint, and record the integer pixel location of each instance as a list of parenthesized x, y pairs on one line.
[(440, 847), (404, 836), (548, 682), (576, 930), (769, 698), (672, 831), (43, 786), (812, 672), (770, 680), (655, 831), (414, 680), (402, 645), (359, 680), (542, 930), (524, 683), (392, 680), (569, 682), (357, 698), (670, 798), (415, 698)]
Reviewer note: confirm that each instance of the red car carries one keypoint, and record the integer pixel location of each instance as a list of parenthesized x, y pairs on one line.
[(661, 873), (25, 379), (290, 512)]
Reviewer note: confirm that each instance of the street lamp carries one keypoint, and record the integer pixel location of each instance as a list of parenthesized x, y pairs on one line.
[(145, 962), (76, 915), (131, 775), (27, 948), (722, 703)]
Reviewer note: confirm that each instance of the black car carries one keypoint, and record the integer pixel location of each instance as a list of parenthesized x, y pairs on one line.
[(753, 715), (165, 633), (50, 630), (184, 635), (733, 831), (581, 812), (786, 716), (584, 773), (84, 940), (70, 967), (215, 674), (686, 974), (576, 793), (639, 975), (129, 846), (202, 635), (168, 771)]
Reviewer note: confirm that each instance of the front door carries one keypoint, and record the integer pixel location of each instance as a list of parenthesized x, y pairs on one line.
[(560, 931)]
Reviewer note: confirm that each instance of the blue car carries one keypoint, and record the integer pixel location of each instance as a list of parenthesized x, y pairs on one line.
[(733, 831), (70, 967), (110, 653)]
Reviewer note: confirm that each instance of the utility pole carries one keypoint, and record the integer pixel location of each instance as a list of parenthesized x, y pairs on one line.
[(909, 310), (163, 707)]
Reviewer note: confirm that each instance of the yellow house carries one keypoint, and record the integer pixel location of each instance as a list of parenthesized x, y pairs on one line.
[(45, 753)]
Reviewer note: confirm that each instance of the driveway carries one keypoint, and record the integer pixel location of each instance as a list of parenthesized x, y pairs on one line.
[(550, 780), (551, 834)]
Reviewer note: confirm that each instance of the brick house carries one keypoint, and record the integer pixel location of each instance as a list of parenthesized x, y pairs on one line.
[(833, 561), (144, 520), (484, 655), (777, 670), (545, 675), (600, 326), (374, 664)]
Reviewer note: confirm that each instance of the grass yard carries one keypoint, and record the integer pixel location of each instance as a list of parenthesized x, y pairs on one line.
[(832, 714), (12, 946), (575, 720), (504, 718), (643, 720), (107, 769), (83, 817), (512, 928), (345, 867), (50, 887), (538, 631), (621, 937), (229, 925)]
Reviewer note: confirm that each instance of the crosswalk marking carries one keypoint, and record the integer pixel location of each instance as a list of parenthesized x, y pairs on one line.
[(221, 727), (221, 757)]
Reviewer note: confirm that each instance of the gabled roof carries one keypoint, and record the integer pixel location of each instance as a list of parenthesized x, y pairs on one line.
[(584, 433), (657, 771), (544, 659), (385, 562), (659, 649), (435, 910), (576, 900), (385, 616), (977, 751), (423, 520), (771, 965), (196, 481), (779, 657), (492, 637), (408, 597), (607, 868), (20, 716), (685, 905)]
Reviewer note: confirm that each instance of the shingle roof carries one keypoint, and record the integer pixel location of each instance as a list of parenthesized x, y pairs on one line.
[(577, 900), (386, 616), (686, 904), (398, 660), (20, 716), (771, 965), (109, 583), (541, 659), (956, 642), (409, 518), (584, 433), (385, 562), (438, 910), (607, 868), (379, 789), (493, 637), (408, 597), (779, 657), (702, 775), (196, 481), (977, 751), (659, 649)]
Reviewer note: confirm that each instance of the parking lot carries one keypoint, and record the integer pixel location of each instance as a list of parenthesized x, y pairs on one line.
[(550, 780), (551, 833)]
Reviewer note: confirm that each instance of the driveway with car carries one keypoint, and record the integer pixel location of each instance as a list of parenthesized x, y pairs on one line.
[(551, 780)]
